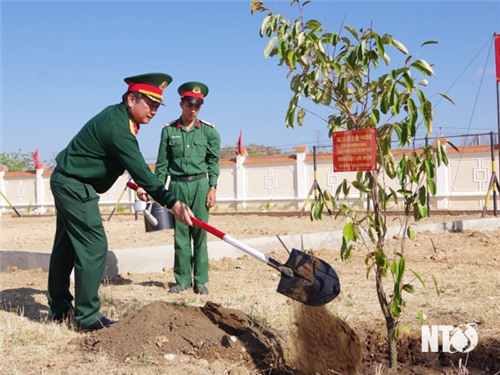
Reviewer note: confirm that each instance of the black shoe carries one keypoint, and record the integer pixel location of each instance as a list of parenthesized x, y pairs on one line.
[(201, 289), (177, 288), (103, 322)]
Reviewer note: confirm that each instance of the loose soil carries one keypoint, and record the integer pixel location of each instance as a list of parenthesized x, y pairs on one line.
[(244, 326)]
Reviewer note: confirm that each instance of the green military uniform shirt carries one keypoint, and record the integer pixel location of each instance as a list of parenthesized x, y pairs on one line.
[(187, 153), (104, 148)]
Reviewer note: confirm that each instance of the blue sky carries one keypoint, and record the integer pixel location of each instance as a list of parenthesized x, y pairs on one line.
[(64, 61)]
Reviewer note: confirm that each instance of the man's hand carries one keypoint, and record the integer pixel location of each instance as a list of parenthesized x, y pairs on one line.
[(211, 197), (142, 195), (182, 212)]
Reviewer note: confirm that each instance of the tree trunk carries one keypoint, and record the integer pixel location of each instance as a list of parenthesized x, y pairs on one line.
[(390, 322)]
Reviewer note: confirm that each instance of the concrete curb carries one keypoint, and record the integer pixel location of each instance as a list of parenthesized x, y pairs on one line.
[(155, 259)]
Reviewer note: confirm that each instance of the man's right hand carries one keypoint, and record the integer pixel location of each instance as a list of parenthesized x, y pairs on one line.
[(182, 212), (142, 195)]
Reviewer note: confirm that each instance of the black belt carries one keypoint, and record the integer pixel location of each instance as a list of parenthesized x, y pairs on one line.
[(194, 177), (59, 170)]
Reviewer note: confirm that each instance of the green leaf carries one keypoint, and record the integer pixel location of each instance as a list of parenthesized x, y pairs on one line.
[(396, 331), (422, 210), (265, 24), (410, 233), (447, 98), (408, 288), (352, 31), (375, 116), (431, 186), (429, 42), (386, 58), (421, 317), (300, 116), (428, 116), (361, 187), (372, 233), (423, 66), (406, 327), (436, 286), (424, 82), (453, 146), (419, 278), (349, 232), (345, 250), (439, 153), (381, 261), (394, 268), (422, 195), (400, 46), (269, 47), (384, 104)]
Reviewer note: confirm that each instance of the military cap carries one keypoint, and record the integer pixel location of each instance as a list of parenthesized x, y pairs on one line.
[(150, 84), (194, 92)]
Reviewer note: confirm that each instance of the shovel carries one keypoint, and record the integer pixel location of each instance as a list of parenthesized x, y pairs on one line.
[(304, 277)]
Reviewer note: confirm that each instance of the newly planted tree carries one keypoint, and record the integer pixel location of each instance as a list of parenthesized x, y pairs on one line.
[(348, 73)]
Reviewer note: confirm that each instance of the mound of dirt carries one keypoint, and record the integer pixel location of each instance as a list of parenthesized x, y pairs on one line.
[(161, 331), (167, 331)]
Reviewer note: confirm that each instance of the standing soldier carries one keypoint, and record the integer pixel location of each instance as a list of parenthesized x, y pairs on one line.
[(189, 155), (94, 159)]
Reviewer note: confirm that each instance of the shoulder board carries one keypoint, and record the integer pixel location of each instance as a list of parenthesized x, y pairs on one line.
[(169, 123), (207, 123)]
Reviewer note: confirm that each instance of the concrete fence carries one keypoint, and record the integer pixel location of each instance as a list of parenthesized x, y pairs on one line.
[(271, 183)]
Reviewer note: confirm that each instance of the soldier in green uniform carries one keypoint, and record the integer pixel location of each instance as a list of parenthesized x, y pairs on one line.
[(102, 150), (189, 155)]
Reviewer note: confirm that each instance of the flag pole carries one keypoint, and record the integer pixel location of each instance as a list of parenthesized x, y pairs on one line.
[(497, 58), (496, 39)]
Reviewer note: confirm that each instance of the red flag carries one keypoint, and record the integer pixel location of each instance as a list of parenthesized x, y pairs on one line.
[(497, 55), (240, 146), (35, 158)]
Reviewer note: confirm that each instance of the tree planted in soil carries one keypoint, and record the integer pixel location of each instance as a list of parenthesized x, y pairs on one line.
[(348, 74)]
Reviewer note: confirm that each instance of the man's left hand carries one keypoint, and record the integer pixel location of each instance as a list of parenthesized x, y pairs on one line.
[(211, 197)]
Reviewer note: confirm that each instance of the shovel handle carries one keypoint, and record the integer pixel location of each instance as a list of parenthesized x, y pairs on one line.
[(132, 186), (208, 228), (232, 241)]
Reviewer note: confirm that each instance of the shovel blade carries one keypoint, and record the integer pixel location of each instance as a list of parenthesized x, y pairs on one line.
[(314, 282)]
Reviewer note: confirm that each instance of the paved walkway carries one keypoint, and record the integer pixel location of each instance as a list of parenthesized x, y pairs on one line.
[(154, 259)]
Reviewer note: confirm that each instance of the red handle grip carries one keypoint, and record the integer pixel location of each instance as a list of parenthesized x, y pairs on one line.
[(132, 186), (208, 228)]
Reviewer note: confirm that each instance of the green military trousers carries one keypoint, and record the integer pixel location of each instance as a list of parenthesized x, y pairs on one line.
[(191, 262), (80, 243)]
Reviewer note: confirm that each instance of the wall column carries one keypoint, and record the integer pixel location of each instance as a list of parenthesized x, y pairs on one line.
[(40, 187), (240, 181), (3, 169), (301, 190), (442, 181)]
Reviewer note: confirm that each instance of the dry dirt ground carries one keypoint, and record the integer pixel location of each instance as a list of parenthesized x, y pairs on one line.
[(244, 326)]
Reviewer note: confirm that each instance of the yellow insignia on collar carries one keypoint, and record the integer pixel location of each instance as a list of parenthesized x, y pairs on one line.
[(132, 127)]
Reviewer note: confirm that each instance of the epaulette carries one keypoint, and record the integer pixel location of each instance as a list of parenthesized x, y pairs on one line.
[(207, 123), (169, 123)]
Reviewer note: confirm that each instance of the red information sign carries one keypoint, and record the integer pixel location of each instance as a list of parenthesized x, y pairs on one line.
[(355, 150)]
